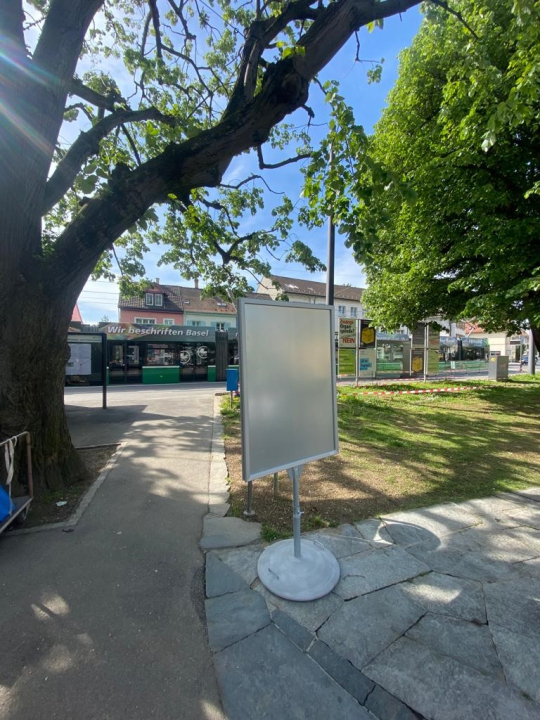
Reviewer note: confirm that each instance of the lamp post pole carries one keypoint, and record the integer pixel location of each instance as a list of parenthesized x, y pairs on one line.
[(331, 251), (532, 351)]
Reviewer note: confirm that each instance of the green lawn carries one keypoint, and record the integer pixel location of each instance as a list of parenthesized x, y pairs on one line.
[(404, 451)]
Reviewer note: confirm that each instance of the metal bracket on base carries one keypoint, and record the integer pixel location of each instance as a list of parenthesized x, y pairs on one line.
[(249, 512), (298, 569)]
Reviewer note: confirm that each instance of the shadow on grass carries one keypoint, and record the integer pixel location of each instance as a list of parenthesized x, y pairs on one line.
[(405, 451)]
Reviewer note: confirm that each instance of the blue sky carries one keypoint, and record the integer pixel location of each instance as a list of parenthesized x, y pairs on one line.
[(99, 298)]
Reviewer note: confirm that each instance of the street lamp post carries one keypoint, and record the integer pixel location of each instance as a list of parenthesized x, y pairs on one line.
[(331, 251)]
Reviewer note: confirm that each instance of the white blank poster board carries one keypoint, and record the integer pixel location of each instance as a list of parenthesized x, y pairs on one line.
[(288, 385)]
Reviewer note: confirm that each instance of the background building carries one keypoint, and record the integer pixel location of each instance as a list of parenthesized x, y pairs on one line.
[(347, 299), (178, 305)]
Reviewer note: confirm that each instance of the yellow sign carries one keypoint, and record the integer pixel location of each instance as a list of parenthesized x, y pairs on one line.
[(368, 335), (417, 364)]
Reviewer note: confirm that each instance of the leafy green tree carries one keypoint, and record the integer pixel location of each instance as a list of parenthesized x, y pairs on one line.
[(448, 215), (167, 92)]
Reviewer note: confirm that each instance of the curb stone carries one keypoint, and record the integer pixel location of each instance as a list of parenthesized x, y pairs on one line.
[(84, 502)]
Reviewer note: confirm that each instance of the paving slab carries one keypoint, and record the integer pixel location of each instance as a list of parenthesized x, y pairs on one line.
[(466, 642), (440, 688), (293, 630), (310, 615), (528, 516), (491, 509), (453, 555), (220, 578), (343, 672), (242, 560), (233, 617), (341, 545), (413, 526), (364, 573), (228, 532), (448, 595), (387, 707), (267, 676), (375, 532), (365, 626), (514, 605), (520, 658), (505, 544), (530, 567), (219, 509)]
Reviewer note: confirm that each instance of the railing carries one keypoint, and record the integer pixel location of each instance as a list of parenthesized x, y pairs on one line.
[(28, 459)]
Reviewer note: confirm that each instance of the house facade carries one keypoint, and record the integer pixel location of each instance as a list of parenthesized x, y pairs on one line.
[(347, 299), (178, 305), (160, 305)]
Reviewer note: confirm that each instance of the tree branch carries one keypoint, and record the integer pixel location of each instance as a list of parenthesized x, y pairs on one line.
[(266, 166), (249, 179), (444, 5), (154, 11), (87, 144), (202, 160), (106, 102), (259, 36), (178, 9)]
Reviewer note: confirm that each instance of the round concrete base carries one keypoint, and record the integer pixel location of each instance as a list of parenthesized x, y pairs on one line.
[(311, 576)]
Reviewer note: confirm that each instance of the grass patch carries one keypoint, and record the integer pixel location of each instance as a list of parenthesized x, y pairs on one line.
[(404, 451)]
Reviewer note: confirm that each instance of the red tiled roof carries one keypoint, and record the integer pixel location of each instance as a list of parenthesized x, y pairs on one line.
[(76, 315)]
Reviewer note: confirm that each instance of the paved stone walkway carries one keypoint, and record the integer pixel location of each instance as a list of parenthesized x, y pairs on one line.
[(436, 615)]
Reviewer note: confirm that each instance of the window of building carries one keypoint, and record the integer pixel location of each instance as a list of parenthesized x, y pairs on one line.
[(160, 354), (145, 321), (220, 326), (158, 300), (149, 299), (341, 310), (354, 312), (168, 321), (197, 323)]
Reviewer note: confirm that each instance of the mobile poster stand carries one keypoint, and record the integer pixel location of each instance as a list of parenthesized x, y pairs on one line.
[(289, 418)]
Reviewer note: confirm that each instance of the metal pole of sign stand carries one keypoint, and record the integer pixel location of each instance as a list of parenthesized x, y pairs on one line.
[(298, 569), (249, 512)]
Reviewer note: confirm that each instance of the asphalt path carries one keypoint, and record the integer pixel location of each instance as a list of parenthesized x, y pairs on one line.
[(107, 622)]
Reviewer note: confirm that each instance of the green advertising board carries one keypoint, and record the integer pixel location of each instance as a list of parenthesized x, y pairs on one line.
[(347, 361), (433, 362)]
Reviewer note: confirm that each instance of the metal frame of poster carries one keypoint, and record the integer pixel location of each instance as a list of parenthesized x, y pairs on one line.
[(289, 409)]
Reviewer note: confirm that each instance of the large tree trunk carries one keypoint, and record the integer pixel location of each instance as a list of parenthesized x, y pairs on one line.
[(34, 352)]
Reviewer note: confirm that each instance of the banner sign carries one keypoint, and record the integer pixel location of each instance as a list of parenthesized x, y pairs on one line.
[(475, 342), (174, 333), (347, 333), (392, 337), (419, 335), (367, 362), (367, 335), (448, 340)]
